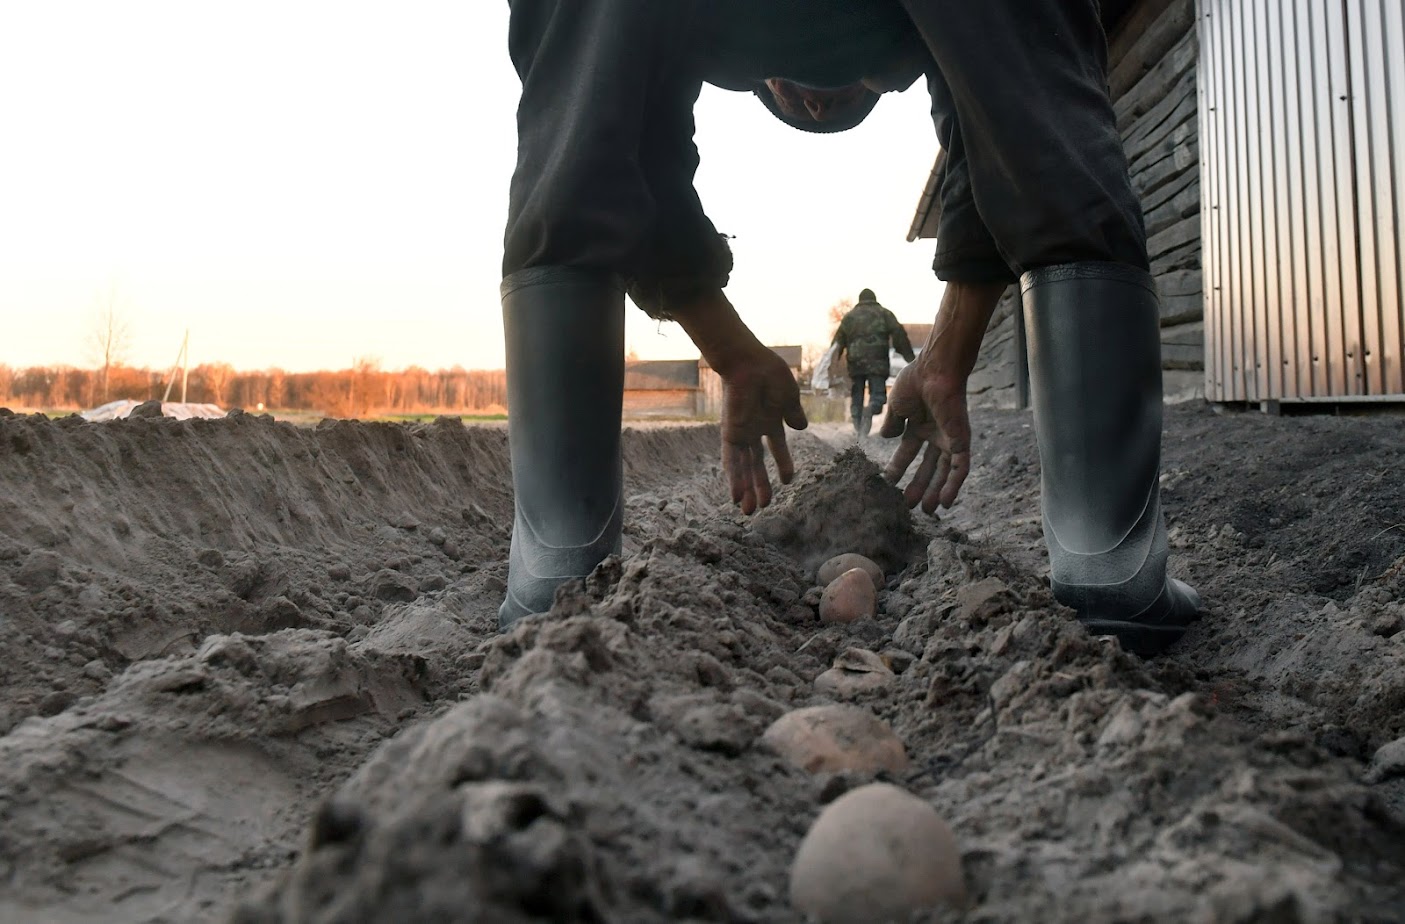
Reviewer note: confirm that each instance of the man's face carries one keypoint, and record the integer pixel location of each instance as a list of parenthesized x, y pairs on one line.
[(809, 104), (802, 103)]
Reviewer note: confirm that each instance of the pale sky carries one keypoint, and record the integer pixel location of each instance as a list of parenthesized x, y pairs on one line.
[(303, 183)]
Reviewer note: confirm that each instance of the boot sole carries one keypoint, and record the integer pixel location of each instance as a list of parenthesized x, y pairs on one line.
[(1141, 640)]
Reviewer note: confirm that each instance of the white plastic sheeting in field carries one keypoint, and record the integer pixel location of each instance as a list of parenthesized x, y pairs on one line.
[(115, 410)]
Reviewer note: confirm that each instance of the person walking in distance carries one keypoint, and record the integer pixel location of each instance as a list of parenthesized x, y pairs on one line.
[(864, 337)]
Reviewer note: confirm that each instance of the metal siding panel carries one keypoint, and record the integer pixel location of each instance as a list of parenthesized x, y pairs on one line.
[(1207, 84), (1367, 76), (1297, 355), (1253, 243), (1220, 349), (1213, 124), (1303, 173), (1331, 110), (1393, 306), (1308, 263), (1253, 179), (1327, 288), (1276, 263), (1390, 33), (1211, 215), (1344, 159), (1240, 296)]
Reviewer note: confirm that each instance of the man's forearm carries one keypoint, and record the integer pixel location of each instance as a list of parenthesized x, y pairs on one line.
[(716, 330), (955, 341)]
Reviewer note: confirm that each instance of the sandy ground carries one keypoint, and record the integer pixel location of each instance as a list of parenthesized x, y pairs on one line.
[(250, 670)]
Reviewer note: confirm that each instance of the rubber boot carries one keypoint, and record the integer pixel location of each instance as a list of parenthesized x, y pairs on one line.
[(1095, 380), (865, 423), (564, 332)]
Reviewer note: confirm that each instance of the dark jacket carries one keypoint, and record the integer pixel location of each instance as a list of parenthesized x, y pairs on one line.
[(864, 335)]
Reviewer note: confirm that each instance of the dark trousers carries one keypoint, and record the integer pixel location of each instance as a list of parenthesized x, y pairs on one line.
[(877, 394), (1036, 174)]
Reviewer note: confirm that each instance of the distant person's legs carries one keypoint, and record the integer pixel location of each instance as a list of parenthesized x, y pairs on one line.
[(1047, 175), (856, 403), (877, 394)]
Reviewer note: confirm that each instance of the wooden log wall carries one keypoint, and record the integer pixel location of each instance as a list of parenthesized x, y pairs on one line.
[(1152, 59)]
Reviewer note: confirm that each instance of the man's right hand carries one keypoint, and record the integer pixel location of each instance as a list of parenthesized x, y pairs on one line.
[(927, 408), (760, 399)]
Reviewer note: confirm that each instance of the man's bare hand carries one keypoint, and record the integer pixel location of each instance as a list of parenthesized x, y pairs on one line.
[(928, 410), (760, 398)]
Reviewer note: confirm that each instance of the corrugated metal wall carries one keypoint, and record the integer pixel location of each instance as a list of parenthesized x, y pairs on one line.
[(1302, 119)]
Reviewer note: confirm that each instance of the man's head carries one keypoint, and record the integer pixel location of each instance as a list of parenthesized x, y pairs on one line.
[(817, 110), (867, 296), (837, 109)]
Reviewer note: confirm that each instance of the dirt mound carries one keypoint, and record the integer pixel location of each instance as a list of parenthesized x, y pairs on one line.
[(846, 508)]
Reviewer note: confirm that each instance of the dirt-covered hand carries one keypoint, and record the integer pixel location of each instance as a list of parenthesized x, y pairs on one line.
[(928, 410), (760, 398)]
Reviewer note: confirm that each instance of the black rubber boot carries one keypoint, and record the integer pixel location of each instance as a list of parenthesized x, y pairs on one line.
[(564, 332), (1095, 381), (864, 424)]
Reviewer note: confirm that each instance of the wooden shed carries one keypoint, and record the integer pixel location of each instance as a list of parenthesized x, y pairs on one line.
[(1294, 260), (661, 388)]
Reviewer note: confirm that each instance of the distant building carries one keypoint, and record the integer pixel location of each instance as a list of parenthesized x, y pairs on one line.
[(661, 388), (681, 388)]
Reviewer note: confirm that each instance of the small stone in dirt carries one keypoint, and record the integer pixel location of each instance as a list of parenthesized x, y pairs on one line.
[(96, 670), (977, 603), (849, 598), (281, 613), (855, 671), (1386, 624), (393, 587), (847, 562), (1388, 762), (813, 596), (451, 549), (339, 573), (210, 558), (723, 729), (696, 892), (833, 739), (876, 854), (757, 704), (39, 571), (897, 659), (147, 409), (404, 521), (55, 702), (437, 536)]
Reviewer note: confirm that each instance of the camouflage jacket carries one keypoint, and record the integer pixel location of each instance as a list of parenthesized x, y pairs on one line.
[(864, 335)]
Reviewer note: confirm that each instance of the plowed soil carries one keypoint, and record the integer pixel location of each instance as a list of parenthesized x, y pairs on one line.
[(251, 671)]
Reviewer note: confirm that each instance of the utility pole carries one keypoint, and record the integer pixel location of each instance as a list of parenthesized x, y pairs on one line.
[(182, 363)]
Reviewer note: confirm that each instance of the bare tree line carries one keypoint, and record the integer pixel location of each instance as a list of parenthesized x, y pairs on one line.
[(363, 390)]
